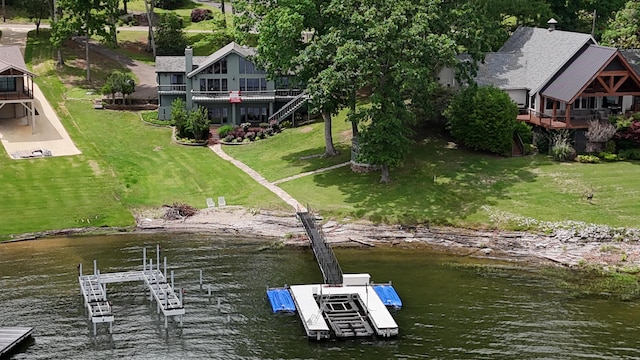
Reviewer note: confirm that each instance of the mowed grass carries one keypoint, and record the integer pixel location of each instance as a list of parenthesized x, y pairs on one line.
[(439, 185), (296, 150), (125, 165)]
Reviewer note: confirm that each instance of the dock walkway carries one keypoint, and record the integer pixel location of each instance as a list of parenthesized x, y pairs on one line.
[(331, 271), (10, 337)]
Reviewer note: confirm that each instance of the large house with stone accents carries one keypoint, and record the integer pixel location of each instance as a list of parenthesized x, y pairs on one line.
[(228, 84), (16, 86)]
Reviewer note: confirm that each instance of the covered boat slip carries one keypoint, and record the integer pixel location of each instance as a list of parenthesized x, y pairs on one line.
[(338, 300), (11, 337)]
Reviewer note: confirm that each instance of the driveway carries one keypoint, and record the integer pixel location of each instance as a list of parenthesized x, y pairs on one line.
[(21, 140)]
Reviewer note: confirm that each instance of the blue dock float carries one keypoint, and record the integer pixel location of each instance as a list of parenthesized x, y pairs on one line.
[(281, 300), (388, 295)]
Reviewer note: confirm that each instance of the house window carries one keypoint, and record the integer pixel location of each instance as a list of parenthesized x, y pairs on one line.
[(253, 115), (253, 84), (7, 84), (177, 79), (214, 85), (247, 67), (585, 103), (549, 104), (218, 67), (219, 115)]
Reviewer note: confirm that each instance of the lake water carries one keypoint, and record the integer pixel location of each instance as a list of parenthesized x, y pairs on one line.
[(451, 310)]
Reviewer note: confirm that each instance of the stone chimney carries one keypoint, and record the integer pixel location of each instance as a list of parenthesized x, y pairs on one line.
[(188, 67), (552, 24)]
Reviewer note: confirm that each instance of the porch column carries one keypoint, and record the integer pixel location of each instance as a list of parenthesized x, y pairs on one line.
[(567, 116), (555, 108), (270, 109), (542, 103), (234, 114)]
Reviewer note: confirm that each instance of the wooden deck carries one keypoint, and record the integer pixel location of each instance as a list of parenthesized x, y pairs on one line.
[(555, 123), (11, 337)]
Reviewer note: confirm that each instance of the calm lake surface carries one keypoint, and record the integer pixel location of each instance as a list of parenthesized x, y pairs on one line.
[(451, 310)]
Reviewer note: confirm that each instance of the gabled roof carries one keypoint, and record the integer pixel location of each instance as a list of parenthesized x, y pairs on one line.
[(11, 58), (530, 57), (175, 64), (582, 71), (231, 47), (633, 58)]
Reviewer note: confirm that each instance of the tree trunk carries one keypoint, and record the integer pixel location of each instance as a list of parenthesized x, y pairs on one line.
[(60, 59), (87, 57), (38, 27), (354, 125), (328, 137), (151, 45), (124, 5), (384, 178)]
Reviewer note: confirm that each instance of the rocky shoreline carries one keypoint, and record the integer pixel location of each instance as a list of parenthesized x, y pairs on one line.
[(562, 246)]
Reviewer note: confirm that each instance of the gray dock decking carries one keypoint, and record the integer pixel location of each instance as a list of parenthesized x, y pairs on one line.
[(11, 337)]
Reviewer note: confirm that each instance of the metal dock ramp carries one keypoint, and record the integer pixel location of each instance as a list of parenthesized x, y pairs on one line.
[(331, 271), (11, 337), (94, 290)]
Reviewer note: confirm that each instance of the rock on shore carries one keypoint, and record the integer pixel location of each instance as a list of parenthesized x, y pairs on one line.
[(562, 246)]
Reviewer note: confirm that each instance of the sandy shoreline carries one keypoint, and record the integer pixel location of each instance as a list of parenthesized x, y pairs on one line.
[(563, 247)]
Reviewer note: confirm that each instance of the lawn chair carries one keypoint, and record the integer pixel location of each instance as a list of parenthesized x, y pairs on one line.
[(210, 203), (221, 201)]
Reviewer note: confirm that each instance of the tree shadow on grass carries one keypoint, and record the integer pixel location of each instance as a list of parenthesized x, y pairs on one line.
[(434, 186), (313, 159)]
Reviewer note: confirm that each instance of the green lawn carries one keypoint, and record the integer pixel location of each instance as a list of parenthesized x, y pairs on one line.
[(184, 12), (124, 165), (292, 151), (449, 186)]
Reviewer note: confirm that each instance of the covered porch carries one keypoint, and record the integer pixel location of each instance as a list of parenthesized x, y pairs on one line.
[(598, 84)]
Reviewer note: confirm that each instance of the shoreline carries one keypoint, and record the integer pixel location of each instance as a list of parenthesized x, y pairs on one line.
[(560, 248)]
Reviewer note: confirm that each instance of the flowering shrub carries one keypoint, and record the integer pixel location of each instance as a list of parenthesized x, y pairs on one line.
[(201, 14)]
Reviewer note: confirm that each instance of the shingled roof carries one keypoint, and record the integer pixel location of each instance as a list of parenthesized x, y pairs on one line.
[(530, 57), (11, 57), (243, 51), (175, 64)]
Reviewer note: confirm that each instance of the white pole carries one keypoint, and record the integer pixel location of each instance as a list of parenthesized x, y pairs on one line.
[(181, 291), (200, 279), (165, 268), (95, 267), (80, 270), (209, 290), (173, 287), (104, 290), (158, 255), (110, 327), (94, 329), (144, 259)]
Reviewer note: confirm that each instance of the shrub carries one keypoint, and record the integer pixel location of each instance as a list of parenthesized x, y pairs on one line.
[(224, 130), (264, 125), (607, 156), (561, 148), (250, 135), (229, 138), (201, 14), (524, 131), (588, 159), (245, 126), (261, 135), (483, 118), (610, 146), (285, 124), (631, 154)]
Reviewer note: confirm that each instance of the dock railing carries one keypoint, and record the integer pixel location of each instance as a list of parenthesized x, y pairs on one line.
[(331, 271)]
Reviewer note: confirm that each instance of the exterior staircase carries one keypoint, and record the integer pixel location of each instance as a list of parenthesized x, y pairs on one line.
[(289, 108), (214, 137)]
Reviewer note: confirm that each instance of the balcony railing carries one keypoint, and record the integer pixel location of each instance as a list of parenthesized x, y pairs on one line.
[(173, 87), (16, 95)]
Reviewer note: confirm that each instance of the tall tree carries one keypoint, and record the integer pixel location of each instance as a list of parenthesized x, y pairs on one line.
[(281, 49), (170, 38), (87, 17), (37, 10), (624, 30)]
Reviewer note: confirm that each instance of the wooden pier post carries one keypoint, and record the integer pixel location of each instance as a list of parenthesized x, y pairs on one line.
[(200, 279)]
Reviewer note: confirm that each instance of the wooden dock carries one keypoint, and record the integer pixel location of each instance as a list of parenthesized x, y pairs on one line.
[(331, 271), (11, 337)]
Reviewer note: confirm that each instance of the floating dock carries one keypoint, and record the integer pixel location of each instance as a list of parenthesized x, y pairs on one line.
[(352, 309), (281, 300), (11, 337), (388, 295), (94, 290)]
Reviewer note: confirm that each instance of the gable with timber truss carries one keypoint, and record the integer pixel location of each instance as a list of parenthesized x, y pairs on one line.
[(597, 71)]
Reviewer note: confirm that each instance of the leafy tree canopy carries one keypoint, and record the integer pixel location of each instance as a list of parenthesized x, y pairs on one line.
[(624, 30), (170, 37)]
